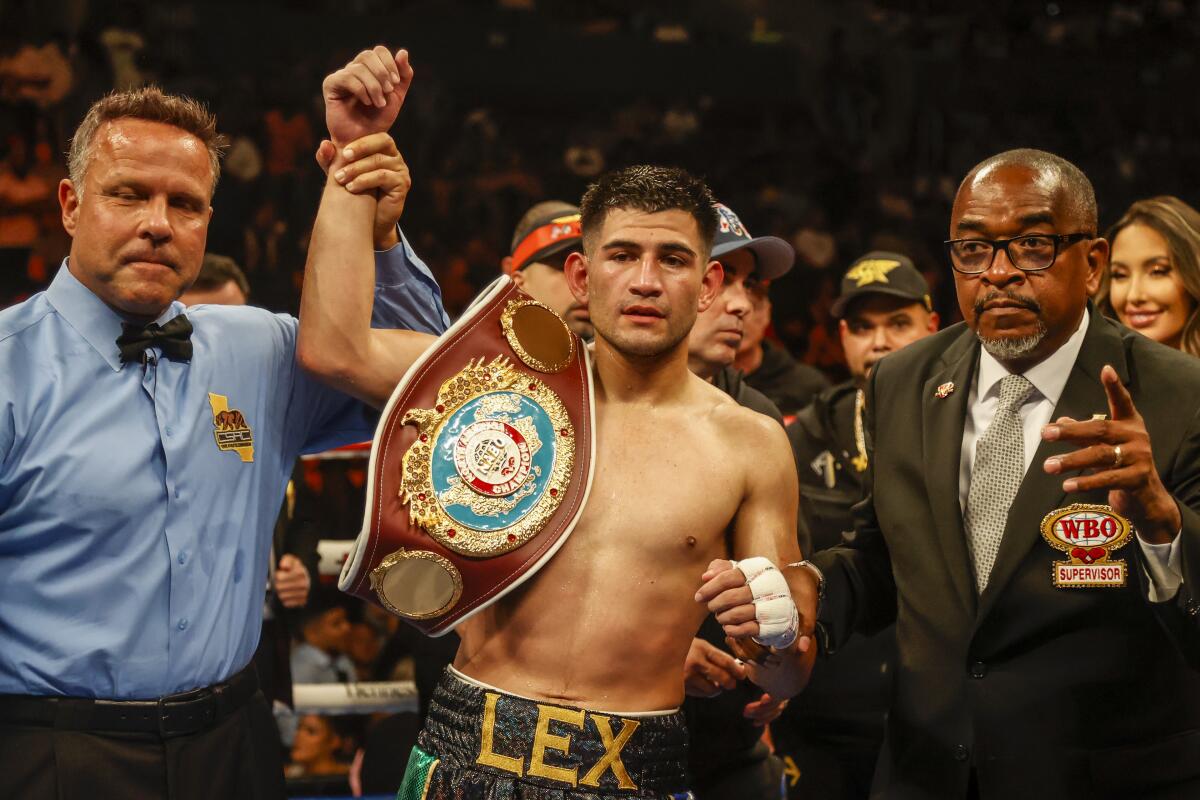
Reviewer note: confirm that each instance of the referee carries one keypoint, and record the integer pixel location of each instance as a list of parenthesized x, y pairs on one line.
[(143, 458)]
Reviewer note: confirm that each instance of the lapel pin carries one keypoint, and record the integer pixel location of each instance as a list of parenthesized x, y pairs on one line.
[(944, 391)]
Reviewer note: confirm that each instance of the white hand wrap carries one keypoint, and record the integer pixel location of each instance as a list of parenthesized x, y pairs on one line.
[(774, 609)]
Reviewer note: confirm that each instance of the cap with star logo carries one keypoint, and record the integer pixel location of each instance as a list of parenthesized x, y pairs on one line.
[(881, 272)]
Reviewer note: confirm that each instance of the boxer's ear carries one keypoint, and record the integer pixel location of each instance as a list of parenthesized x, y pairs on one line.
[(518, 278), (576, 270), (711, 285)]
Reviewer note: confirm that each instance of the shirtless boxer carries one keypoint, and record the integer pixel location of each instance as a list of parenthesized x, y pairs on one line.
[(570, 685)]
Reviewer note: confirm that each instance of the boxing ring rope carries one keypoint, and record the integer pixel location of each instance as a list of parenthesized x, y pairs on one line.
[(349, 451), (355, 698)]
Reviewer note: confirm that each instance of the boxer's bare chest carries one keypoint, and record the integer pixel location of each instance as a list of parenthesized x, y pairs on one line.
[(662, 477), (620, 591)]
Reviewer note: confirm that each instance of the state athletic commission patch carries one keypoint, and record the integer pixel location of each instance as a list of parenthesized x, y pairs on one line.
[(230, 428)]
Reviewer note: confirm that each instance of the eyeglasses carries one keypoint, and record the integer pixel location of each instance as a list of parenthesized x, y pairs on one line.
[(1030, 253)]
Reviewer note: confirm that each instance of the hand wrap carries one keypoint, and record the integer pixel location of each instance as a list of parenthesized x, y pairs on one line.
[(774, 609)]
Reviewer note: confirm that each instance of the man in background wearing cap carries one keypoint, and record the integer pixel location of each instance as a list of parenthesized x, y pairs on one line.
[(726, 714), (830, 742), (770, 369), (545, 236), (715, 338)]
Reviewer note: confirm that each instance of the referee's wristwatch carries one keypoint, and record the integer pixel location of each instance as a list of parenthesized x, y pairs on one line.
[(820, 633), (820, 580)]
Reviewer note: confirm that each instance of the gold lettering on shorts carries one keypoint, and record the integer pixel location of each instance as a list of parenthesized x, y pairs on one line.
[(612, 752), (487, 756), (544, 740)]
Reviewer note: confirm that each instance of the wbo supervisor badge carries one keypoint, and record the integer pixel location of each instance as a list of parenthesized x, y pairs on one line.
[(480, 466), (1087, 533)]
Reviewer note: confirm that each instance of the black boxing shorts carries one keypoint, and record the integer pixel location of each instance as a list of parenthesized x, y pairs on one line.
[(481, 743)]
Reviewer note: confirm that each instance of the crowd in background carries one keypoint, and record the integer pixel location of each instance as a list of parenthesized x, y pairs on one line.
[(864, 155), (861, 152)]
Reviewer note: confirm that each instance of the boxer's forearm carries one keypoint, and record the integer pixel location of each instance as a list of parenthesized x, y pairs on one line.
[(339, 284)]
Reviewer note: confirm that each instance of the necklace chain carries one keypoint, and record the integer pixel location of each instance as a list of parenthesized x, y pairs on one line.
[(860, 439)]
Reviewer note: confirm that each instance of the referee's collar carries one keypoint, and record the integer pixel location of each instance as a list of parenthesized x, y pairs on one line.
[(91, 317)]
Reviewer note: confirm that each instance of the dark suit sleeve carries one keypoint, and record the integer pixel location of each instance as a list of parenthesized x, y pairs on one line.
[(301, 533), (860, 592), (1181, 614)]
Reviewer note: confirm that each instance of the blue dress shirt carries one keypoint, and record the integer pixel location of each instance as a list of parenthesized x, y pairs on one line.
[(132, 547)]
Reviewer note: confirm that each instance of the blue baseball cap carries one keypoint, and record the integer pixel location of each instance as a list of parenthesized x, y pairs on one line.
[(774, 257)]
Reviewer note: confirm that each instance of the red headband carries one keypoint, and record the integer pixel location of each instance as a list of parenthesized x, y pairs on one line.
[(553, 232)]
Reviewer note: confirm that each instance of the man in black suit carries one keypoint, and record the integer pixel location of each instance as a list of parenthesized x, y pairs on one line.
[(1025, 671)]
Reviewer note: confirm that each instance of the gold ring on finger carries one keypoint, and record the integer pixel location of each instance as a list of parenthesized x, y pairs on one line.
[(1117, 458)]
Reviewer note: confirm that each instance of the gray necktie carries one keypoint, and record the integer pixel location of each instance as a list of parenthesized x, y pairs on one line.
[(996, 476)]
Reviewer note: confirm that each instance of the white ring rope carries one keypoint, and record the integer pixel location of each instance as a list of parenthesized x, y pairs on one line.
[(350, 451), (354, 698)]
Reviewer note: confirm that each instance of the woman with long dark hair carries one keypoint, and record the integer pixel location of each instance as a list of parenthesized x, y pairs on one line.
[(1153, 280)]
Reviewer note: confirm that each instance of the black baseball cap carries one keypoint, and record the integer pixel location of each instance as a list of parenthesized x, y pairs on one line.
[(881, 272), (773, 256)]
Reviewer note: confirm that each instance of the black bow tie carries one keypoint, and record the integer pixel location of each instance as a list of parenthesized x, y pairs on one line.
[(174, 338)]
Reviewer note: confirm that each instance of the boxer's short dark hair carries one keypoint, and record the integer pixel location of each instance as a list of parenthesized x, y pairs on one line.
[(650, 189)]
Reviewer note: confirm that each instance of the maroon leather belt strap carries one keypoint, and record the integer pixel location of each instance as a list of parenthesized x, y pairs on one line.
[(480, 466)]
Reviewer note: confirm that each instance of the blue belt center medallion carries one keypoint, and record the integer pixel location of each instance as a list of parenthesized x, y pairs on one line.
[(492, 460)]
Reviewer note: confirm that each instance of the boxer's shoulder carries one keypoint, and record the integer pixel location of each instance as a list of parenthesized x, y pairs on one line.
[(740, 429)]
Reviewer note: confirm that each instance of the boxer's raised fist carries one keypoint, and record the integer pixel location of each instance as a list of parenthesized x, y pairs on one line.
[(365, 96)]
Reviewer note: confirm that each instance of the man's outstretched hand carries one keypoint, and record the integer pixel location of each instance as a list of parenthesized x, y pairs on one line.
[(709, 670), (365, 96), (1115, 454)]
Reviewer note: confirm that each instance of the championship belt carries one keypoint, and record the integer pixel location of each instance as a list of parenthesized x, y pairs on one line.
[(480, 466)]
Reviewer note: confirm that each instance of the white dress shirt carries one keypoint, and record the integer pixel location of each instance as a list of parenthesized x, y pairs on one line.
[(1049, 378)]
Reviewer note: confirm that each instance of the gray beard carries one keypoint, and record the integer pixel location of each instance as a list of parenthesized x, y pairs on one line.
[(1013, 348)]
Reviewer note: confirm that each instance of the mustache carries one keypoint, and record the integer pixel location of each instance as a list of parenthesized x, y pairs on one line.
[(1024, 302)]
